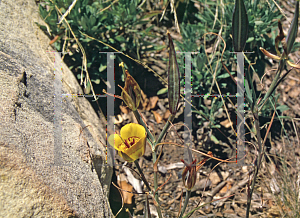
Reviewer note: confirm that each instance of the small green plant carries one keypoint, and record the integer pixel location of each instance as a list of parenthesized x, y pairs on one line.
[(121, 24)]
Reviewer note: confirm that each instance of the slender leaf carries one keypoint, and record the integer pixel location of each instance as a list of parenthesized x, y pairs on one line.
[(292, 34), (248, 92)]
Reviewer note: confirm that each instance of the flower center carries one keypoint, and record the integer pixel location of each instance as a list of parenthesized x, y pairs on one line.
[(130, 141)]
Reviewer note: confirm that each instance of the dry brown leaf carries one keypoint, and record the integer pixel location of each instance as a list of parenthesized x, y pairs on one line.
[(144, 96), (144, 101), (292, 82), (214, 178), (157, 117), (226, 123), (167, 114), (153, 102), (124, 109), (294, 93), (287, 88), (118, 119), (226, 188), (274, 211), (127, 197)]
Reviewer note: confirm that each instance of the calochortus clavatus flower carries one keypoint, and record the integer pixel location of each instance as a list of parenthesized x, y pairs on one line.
[(189, 174), (131, 93), (131, 143)]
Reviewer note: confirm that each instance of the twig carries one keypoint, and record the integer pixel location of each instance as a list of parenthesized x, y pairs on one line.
[(67, 12), (234, 189), (121, 198), (187, 197)]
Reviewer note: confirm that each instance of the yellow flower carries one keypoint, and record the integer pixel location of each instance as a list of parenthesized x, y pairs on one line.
[(131, 143)]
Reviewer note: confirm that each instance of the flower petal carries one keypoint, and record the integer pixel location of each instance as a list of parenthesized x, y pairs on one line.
[(137, 150), (275, 57), (132, 129), (293, 65), (125, 157), (116, 141)]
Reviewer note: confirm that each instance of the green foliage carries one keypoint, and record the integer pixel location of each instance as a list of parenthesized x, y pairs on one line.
[(122, 26), (213, 17)]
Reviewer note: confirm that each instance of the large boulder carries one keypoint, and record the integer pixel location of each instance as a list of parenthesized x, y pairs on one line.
[(52, 163)]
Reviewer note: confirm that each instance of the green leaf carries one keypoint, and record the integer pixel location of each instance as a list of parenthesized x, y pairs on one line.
[(92, 21), (111, 40), (282, 108), (240, 25), (96, 81), (248, 92), (258, 22), (83, 24), (151, 14), (214, 139), (43, 12), (250, 39), (42, 27), (222, 76), (94, 28), (292, 34), (120, 38), (162, 91), (102, 68)]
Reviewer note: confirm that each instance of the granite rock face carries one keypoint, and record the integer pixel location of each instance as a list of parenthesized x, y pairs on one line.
[(45, 164)]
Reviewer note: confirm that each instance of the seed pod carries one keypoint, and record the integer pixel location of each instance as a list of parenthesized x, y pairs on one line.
[(173, 78), (239, 26), (131, 93)]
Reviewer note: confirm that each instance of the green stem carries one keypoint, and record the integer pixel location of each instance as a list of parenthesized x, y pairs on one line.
[(148, 186), (154, 157), (248, 76), (260, 154), (142, 175), (141, 122), (166, 127), (187, 197)]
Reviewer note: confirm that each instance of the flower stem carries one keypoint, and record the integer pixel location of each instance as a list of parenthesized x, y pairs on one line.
[(258, 163), (154, 156), (148, 186), (142, 175), (187, 197), (166, 127)]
